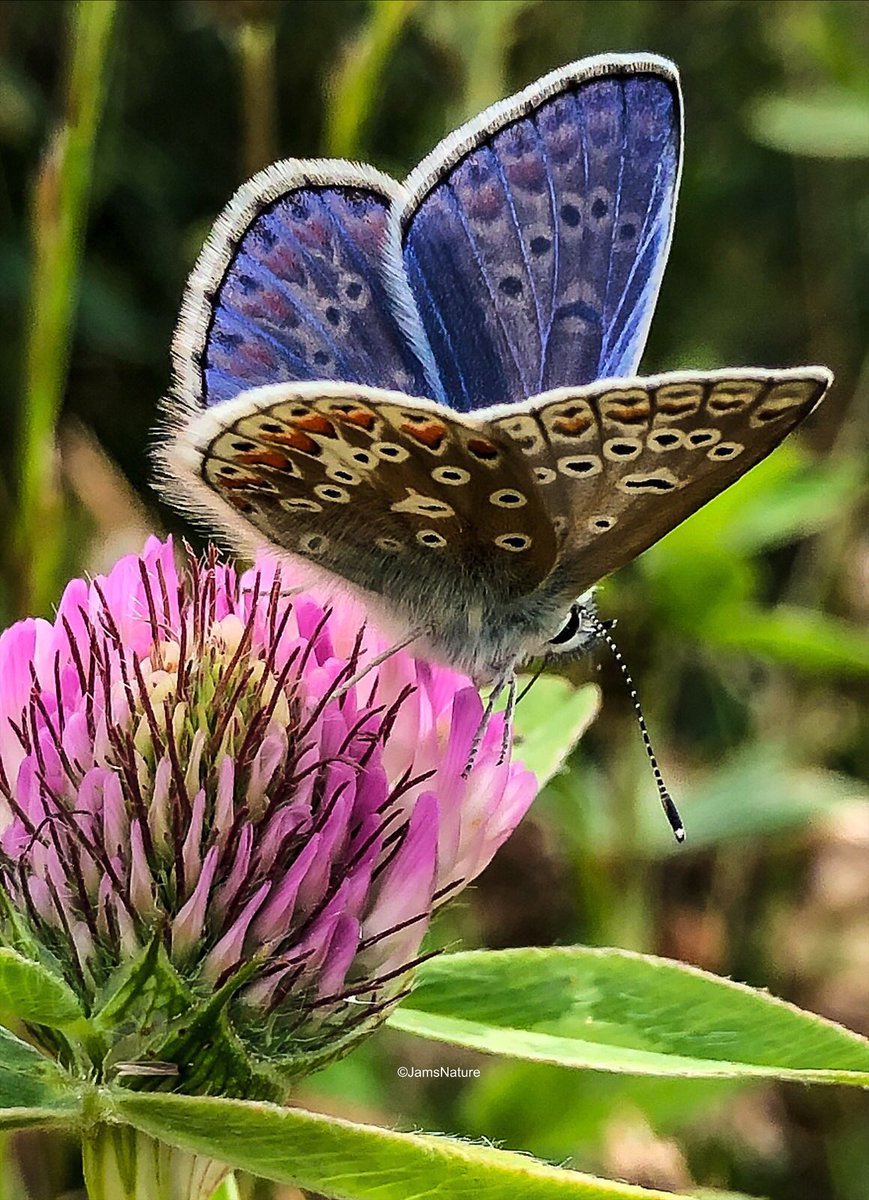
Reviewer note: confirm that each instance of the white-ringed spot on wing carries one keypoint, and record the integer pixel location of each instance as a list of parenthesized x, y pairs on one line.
[(725, 450), (300, 504), (700, 439), (453, 476), (422, 506), (733, 395), (332, 493), (342, 474), (390, 451), (313, 543), (545, 474), (514, 542), (665, 439), (579, 467), (649, 482), (600, 524), (431, 538), (364, 458), (622, 449), (389, 545), (508, 498)]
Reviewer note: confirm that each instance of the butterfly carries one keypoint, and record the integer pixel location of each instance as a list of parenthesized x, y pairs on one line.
[(429, 391)]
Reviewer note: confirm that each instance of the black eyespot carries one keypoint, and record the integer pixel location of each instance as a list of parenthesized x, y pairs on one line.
[(270, 427), (622, 448), (247, 284), (699, 439), (570, 215), (321, 358), (242, 446), (332, 315), (666, 439), (511, 286), (510, 498), (353, 291), (569, 629), (539, 245), (628, 230), (228, 471), (390, 451), (652, 484), (599, 208)]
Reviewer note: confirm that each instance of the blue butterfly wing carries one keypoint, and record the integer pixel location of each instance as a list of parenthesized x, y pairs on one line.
[(536, 237), (289, 287)]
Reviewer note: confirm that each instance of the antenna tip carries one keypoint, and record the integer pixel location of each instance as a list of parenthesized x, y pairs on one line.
[(679, 834)]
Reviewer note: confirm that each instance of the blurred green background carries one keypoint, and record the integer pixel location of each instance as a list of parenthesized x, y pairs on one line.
[(124, 129)]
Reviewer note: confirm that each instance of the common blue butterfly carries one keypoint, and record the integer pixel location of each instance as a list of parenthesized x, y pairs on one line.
[(428, 391)]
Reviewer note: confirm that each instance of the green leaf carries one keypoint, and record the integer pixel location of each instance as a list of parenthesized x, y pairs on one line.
[(33, 1090), (549, 722), (355, 1162), (30, 992), (612, 1010)]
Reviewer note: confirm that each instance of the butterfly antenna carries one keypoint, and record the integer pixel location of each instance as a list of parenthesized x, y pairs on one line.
[(667, 802)]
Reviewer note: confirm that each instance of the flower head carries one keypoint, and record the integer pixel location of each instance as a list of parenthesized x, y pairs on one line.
[(224, 831)]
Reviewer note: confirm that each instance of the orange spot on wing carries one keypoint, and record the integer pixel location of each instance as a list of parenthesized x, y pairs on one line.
[(431, 435), (364, 418), (297, 440), (482, 449), (635, 414), (238, 482), (315, 423), (573, 426), (265, 458)]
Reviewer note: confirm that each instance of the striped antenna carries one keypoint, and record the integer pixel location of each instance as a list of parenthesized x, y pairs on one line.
[(671, 811)]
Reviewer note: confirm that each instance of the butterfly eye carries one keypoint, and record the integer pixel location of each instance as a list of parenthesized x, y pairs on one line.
[(569, 629)]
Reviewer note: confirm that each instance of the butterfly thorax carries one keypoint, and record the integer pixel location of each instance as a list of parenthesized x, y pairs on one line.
[(489, 641)]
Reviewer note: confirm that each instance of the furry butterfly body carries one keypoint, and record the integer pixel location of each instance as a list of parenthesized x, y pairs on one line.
[(429, 392)]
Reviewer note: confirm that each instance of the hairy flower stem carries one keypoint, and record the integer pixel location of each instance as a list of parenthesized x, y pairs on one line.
[(123, 1164)]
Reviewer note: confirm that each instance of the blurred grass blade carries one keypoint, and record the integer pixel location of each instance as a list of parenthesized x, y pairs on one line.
[(821, 125), (255, 46), (480, 38), (58, 219), (353, 89)]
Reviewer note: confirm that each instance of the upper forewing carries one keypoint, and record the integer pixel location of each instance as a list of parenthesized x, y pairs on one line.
[(535, 237)]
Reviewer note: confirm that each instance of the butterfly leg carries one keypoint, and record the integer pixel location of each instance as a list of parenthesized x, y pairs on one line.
[(509, 713), (508, 681)]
